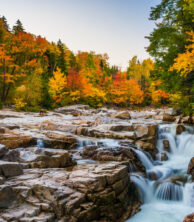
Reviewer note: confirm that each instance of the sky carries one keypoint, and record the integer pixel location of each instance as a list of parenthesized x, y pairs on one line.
[(115, 27)]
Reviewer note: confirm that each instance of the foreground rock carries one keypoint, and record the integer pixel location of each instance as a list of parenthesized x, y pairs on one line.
[(88, 193), (189, 218)]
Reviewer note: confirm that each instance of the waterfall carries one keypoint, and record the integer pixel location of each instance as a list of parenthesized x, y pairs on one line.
[(40, 143), (166, 190), (169, 191), (100, 142), (144, 158)]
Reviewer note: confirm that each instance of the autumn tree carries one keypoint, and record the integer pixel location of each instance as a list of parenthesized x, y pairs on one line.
[(126, 92), (58, 85), (173, 19)]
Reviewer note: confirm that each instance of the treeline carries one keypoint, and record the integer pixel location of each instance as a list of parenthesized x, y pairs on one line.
[(172, 47), (35, 73)]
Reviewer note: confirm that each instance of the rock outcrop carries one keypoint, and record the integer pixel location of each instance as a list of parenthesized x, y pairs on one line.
[(114, 154), (90, 193)]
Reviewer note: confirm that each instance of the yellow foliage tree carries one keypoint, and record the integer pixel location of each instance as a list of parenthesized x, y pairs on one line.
[(57, 85), (184, 63)]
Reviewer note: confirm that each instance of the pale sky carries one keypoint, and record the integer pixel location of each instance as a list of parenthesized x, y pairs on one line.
[(115, 27)]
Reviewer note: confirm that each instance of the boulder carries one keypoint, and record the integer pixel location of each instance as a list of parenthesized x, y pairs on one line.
[(7, 196), (191, 168), (145, 131), (148, 147), (12, 155), (122, 115), (152, 175), (9, 169), (168, 118), (166, 145), (187, 120), (180, 129), (164, 157), (189, 218), (82, 131)]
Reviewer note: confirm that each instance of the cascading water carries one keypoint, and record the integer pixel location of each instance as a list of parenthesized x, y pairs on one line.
[(166, 191)]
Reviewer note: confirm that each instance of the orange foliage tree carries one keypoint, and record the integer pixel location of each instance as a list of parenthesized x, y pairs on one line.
[(126, 92)]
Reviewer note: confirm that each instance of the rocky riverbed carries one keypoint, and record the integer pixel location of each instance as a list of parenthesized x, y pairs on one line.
[(74, 164)]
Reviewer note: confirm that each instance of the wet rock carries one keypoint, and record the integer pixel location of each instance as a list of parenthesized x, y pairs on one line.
[(60, 140), (122, 115), (164, 157), (82, 131), (148, 147), (180, 129), (14, 140), (113, 154), (12, 155), (121, 127), (168, 118), (3, 150), (189, 218), (7, 196), (176, 112), (187, 120), (191, 168), (178, 180), (166, 145), (143, 131), (2, 130), (9, 169), (152, 175)]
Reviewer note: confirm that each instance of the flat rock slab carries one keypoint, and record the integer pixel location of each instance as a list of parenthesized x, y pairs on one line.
[(10, 169)]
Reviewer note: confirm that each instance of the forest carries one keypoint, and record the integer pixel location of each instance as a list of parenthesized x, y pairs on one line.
[(37, 74)]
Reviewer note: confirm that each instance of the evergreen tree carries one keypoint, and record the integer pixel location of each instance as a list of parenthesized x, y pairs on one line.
[(61, 61), (6, 26), (18, 27)]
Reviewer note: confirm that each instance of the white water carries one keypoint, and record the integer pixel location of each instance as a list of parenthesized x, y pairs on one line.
[(170, 197)]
